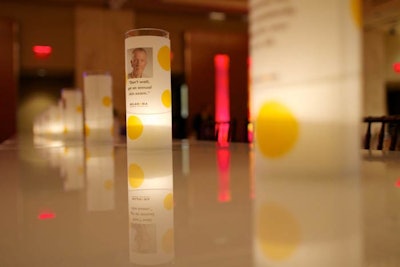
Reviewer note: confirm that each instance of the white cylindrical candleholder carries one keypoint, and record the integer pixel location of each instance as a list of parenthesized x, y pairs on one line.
[(151, 216), (306, 85), (98, 107), (72, 114), (148, 89)]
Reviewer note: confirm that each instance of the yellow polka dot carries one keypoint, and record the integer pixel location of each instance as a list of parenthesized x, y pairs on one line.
[(65, 131), (164, 58), (79, 109), (87, 154), (169, 202), (278, 232), (86, 130), (66, 150), (135, 175), (108, 184), (356, 12), (81, 170), (168, 241), (134, 127), (106, 101), (277, 130), (166, 98)]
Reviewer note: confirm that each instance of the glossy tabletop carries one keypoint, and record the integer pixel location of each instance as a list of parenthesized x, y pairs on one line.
[(195, 205)]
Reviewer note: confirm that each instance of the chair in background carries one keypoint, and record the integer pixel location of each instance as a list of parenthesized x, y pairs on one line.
[(388, 124)]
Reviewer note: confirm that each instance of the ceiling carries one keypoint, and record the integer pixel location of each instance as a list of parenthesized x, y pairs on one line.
[(383, 14), (227, 6)]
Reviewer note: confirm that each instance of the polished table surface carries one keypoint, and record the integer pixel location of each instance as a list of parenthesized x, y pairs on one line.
[(195, 205)]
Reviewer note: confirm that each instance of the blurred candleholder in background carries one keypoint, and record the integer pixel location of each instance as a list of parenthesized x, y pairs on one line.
[(98, 107), (72, 113)]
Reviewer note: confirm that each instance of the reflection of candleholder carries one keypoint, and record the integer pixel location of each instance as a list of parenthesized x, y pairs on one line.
[(100, 177), (151, 229), (72, 114), (148, 89), (307, 221), (72, 167), (98, 108)]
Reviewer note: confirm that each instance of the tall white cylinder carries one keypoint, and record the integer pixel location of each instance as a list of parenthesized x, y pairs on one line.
[(148, 89), (306, 84)]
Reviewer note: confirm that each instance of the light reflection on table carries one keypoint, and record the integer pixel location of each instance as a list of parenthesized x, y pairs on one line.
[(71, 205)]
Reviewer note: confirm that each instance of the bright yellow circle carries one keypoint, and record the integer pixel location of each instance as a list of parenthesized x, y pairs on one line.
[(87, 153), (79, 109), (106, 101), (168, 241), (81, 170), (108, 184), (166, 98), (65, 131), (277, 130), (134, 127), (356, 12), (164, 58), (278, 232), (87, 130), (135, 175), (169, 201)]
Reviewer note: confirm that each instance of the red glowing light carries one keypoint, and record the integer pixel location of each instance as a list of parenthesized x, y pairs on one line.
[(224, 161), (222, 113), (397, 184), (42, 51), (46, 215), (396, 67)]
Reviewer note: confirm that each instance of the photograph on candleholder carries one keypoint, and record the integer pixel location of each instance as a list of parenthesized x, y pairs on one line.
[(140, 62)]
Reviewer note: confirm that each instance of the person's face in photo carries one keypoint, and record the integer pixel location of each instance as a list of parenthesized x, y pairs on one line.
[(139, 61)]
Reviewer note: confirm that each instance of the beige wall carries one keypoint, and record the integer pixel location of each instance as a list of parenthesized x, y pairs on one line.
[(177, 24), (44, 25), (374, 94), (99, 35), (392, 46)]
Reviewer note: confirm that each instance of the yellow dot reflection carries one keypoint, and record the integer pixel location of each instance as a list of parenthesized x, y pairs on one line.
[(135, 175), (278, 232), (87, 130), (168, 241), (169, 202)]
